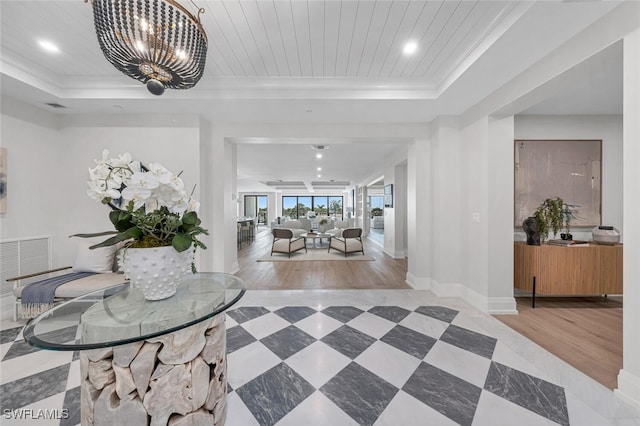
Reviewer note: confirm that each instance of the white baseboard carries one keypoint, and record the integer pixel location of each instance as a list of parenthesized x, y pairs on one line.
[(502, 306), (418, 283), (490, 305), (628, 388), (398, 254)]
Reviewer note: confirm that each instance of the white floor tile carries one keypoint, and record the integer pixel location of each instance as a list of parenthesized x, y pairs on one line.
[(464, 364), (249, 362), (495, 411), (318, 325), (237, 413), (74, 375), (230, 322), (405, 410), (317, 410), (393, 365), (581, 414), (371, 324), (265, 325), (424, 324), (317, 363)]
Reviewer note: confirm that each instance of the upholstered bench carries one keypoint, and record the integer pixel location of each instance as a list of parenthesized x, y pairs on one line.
[(67, 290)]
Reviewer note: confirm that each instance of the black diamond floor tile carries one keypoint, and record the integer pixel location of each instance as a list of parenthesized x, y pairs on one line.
[(72, 407), (9, 335), (392, 313), (342, 313), (294, 314), (359, 393), (33, 388), (275, 393), (247, 313), (409, 341), (532, 393), (287, 341), (348, 341), (444, 392), (237, 338), (19, 348), (438, 312), (469, 340)]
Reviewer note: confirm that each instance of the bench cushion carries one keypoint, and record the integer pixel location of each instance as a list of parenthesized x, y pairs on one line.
[(82, 286)]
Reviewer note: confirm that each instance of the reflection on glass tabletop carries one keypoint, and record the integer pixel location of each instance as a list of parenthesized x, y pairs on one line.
[(120, 314)]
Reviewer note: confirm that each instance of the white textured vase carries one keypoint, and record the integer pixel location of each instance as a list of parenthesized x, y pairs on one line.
[(155, 271)]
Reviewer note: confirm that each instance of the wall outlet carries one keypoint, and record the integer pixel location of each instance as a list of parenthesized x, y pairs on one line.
[(475, 217)]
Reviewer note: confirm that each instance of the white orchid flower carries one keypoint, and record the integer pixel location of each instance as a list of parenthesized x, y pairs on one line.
[(144, 180), (193, 206)]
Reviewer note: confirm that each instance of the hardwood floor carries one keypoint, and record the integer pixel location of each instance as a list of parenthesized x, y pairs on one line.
[(586, 332), (383, 273)]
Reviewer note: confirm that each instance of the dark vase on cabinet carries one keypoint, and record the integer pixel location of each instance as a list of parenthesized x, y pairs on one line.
[(530, 226)]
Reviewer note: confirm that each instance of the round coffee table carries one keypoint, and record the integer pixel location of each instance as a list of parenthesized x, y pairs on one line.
[(142, 362), (316, 236)]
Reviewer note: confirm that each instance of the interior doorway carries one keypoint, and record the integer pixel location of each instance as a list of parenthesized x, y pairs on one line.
[(375, 207)]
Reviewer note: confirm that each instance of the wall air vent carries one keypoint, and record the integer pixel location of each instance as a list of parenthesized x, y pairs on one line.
[(55, 105), (320, 147)]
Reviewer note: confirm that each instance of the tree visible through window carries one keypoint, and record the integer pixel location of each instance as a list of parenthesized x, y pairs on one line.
[(295, 206)]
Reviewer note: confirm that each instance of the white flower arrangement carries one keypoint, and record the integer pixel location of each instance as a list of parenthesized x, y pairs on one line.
[(150, 206)]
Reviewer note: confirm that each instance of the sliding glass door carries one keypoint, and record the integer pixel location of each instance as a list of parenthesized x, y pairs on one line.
[(296, 206)]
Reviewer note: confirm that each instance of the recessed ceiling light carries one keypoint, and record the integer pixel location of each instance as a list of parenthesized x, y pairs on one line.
[(318, 155), (410, 48), (48, 46), (319, 176), (319, 169)]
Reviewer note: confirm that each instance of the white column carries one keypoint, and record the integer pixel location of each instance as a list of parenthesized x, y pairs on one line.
[(500, 217), (629, 377), (218, 209), (419, 215)]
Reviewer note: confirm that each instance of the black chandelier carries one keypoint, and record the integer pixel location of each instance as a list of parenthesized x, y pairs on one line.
[(157, 42)]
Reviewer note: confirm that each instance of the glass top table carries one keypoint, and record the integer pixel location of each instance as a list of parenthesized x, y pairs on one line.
[(120, 314)]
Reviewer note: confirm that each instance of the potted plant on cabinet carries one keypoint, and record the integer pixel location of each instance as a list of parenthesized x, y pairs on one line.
[(551, 216)]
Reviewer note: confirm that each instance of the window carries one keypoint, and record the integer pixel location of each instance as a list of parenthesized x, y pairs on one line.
[(295, 206), (256, 206)]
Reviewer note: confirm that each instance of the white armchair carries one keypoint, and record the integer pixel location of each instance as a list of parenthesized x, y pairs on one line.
[(349, 242), (285, 242)]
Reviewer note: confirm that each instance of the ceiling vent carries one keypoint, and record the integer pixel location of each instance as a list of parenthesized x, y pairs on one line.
[(55, 105), (320, 147)]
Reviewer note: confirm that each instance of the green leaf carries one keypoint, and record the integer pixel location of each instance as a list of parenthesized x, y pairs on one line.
[(95, 234), (190, 218), (131, 233), (181, 242)]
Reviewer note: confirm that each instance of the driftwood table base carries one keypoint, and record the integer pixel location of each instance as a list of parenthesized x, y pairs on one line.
[(176, 379)]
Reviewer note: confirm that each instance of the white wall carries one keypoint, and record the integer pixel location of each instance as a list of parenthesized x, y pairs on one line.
[(36, 192), (605, 127), (49, 176)]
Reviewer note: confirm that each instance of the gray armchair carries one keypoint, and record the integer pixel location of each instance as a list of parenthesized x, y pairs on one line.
[(349, 242), (285, 242)]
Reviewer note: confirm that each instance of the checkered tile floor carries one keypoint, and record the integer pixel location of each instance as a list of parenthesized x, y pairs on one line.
[(335, 365)]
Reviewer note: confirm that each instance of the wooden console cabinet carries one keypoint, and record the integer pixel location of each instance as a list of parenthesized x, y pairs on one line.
[(581, 269)]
